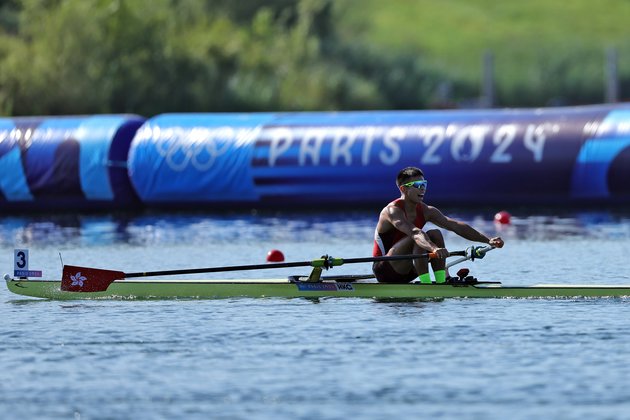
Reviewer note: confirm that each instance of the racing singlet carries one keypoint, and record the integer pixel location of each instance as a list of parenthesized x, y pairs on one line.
[(384, 241)]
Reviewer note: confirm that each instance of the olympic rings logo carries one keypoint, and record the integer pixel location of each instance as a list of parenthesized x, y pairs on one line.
[(197, 147)]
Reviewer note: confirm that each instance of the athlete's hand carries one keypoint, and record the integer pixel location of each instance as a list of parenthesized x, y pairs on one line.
[(441, 253), (496, 242)]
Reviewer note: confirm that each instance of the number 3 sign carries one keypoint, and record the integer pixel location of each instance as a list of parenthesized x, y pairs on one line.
[(20, 264)]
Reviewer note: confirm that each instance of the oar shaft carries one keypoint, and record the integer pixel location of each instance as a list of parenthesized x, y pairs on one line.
[(384, 258), (399, 257), (219, 269), (325, 262)]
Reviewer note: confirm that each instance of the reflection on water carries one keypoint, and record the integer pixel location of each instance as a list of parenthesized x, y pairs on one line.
[(182, 228), (155, 229)]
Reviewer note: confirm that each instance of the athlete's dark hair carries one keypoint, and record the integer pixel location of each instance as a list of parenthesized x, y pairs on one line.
[(408, 173)]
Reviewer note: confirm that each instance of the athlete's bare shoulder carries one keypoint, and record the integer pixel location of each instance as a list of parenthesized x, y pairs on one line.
[(390, 213), (430, 211)]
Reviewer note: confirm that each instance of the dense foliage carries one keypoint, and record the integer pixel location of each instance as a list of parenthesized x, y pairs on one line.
[(155, 56)]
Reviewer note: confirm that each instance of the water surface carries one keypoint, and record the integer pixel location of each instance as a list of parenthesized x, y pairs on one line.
[(327, 358)]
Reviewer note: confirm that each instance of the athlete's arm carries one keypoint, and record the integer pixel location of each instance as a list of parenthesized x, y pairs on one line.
[(396, 218), (464, 230)]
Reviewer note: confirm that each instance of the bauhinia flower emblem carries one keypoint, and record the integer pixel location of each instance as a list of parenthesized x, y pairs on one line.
[(78, 279)]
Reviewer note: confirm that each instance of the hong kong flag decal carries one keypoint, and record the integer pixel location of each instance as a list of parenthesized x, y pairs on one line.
[(84, 279)]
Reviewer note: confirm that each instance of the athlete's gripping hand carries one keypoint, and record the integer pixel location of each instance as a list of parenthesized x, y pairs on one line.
[(496, 242), (441, 253)]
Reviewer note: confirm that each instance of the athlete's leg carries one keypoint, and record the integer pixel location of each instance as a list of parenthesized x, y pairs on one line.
[(404, 247), (438, 264), (421, 264)]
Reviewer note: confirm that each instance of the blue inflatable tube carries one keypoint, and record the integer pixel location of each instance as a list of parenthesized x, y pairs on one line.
[(196, 158), (69, 163), (522, 156)]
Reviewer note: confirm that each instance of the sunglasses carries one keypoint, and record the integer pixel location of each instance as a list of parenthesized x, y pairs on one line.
[(417, 184)]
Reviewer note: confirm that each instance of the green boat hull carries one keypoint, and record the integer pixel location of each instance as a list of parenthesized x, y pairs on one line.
[(214, 289)]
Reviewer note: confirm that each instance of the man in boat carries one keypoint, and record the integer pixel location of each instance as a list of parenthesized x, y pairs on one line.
[(399, 232)]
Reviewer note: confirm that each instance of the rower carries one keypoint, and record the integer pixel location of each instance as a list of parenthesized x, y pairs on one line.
[(399, 231)]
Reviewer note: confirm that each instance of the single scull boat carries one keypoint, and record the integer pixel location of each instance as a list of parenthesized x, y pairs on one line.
[(92, 283), (287, 288)]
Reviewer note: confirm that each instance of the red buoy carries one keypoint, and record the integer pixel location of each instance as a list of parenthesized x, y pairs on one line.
[(275, 255), (503, 217)]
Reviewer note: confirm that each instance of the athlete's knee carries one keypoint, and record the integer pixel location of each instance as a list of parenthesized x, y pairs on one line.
[(404, 246), (436, 236)]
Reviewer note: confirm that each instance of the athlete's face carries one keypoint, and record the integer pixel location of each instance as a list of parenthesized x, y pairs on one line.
[(415, 188)]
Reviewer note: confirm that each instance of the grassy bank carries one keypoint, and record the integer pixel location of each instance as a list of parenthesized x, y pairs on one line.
[(532, 42)]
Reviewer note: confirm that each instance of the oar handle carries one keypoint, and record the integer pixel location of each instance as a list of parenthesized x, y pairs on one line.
[(472, 253)]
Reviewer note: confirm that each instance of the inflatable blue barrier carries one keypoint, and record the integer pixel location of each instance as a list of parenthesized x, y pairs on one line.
[(72, 163), (196, 158), (602, 168), (522, 156)]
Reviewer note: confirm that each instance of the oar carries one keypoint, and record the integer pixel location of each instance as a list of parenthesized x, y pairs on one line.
[(472, 253), (85, 279)]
